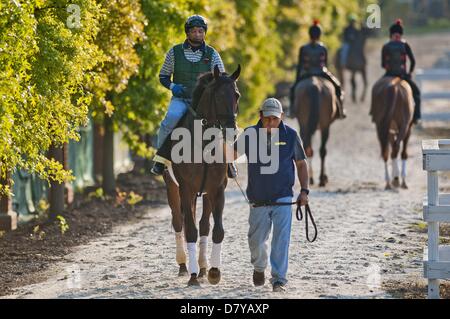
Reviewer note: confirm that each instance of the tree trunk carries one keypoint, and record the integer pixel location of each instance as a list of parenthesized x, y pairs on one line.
[(56, 191), (8, 218), (99, 134), (109, 182)]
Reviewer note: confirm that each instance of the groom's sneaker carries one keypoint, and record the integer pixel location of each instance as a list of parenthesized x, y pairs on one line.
[(258, 278), (278, 287)]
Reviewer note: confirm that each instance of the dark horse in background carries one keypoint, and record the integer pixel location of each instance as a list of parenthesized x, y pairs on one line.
[(215, 103), (355, 62)]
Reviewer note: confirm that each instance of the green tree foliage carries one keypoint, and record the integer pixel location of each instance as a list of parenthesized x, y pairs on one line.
[(43, 65)]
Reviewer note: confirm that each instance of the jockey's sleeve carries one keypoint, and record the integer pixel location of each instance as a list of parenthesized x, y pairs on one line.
[(412, 60), (167, 70), (217, 60)]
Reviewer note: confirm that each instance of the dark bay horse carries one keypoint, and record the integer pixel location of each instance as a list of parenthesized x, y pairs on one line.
[(315, 107), (355, 63), (215, 103), (392, 111)]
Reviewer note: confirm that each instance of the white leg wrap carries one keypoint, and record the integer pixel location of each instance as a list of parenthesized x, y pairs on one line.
[(403, 168), (202, 257), (386, 172), (395, 168), (180, 252), (216, 255), (192, 252)]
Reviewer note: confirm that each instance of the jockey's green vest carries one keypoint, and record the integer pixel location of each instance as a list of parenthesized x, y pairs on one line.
[(187, 72)]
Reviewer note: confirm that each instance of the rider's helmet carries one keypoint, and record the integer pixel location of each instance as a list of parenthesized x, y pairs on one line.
[(397, 27), (195, 21), (315, 31), (352, 17)]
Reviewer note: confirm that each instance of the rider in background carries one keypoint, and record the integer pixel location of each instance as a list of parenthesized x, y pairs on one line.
[(313, 61), (349, 36), (183, 64), (393, 60)]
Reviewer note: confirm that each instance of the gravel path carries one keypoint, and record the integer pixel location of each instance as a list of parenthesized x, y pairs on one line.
[(365, 235)]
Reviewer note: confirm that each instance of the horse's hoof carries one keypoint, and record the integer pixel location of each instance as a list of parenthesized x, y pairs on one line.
[(214, 276), (182, 271), (202, 273), (396, 182), (388, 187), (193, 281), (404, 186), (311, 181), (323, 180)]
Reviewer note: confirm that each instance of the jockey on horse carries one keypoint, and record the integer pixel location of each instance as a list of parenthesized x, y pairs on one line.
[(185, 62), (393, 60), (349, 36), (313, 61)]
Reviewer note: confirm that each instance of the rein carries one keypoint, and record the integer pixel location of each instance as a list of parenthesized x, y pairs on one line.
[(298, 213)]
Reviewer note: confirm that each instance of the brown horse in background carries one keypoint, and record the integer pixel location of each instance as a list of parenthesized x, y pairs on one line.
[(392, 111), (355, 63), (215, 102), (315, 107)]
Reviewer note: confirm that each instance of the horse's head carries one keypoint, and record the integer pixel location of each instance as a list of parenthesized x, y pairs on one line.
[(217, 103)]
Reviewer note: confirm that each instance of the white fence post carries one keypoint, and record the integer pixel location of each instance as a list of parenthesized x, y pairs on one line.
[(436, 209)]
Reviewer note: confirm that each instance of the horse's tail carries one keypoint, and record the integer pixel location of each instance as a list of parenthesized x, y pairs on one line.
[(314, 105), (385, 123)]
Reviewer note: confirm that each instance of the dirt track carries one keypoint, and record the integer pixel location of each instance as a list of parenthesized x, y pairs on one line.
[(367, 245)]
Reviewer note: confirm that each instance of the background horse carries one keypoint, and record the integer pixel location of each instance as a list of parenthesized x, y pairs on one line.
[(392, 111), (355, 63), (315, 107), (215, 102)]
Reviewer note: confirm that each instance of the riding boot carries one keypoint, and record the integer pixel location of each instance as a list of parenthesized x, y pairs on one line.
[(232, 170), (158, 168), (339, 94)]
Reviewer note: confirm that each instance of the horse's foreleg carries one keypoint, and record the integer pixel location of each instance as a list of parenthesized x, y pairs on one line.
[(323, 154), (405, 157), (217, 237), (308, 152), (364, 92), (191, 233), (353, 82), (173, 197), (204, 232)]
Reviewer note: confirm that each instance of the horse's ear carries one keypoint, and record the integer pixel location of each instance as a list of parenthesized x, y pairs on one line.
[(236, 73), (216, 72)]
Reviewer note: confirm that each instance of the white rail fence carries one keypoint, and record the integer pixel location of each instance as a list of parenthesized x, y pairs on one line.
[(434, 75), (436, 209)]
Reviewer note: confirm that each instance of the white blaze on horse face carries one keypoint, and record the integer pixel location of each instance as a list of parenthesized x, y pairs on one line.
[(181, 151), (395, 168), (192, 253)]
